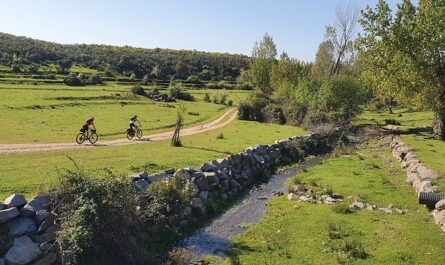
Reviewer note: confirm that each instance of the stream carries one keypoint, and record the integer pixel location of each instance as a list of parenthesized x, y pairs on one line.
[(215, 238)]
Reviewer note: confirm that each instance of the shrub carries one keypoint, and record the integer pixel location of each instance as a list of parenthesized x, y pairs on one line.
[(230, 102), (343, 208), (96, 216), (252, 107), (178, 93), (138, 90), (355, 250), (206, 97), (335, 231), (72, 81), (392, 122), (220, 136)]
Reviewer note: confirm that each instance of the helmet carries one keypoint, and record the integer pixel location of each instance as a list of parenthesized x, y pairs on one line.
[(135, 116), (92, 118)]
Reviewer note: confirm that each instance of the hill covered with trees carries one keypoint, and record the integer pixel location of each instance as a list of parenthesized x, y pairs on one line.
[(156, 63)]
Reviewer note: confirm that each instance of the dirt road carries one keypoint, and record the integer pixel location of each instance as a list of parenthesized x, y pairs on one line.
[(225, 119)]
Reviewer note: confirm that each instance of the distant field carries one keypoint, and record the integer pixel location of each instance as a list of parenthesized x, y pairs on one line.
[(25, 173), (298, 233), (407, 119), (55, 112)]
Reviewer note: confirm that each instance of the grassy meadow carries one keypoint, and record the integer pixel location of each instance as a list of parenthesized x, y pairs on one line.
[(303, 233)]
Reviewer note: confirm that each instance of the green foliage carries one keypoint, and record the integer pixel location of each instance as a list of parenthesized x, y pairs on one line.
[(206, 97), (220, 136), (96, 217), (138, 90), (263, 57), (343, 208), (176, 91), (402, 53)]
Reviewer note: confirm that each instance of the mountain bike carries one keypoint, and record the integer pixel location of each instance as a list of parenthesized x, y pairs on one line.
[(131, 133), (83, 135)]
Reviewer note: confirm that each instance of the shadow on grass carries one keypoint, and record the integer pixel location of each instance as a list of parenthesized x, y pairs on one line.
[(207, 149)]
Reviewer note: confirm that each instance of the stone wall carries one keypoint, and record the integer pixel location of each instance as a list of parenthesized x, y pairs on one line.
[(27, 228), (418, 175)]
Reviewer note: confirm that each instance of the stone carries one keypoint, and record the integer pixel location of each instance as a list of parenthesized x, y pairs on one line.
[(45, 247), (304, 198), (207, 167), (187, 211), (224, 162), (21, 226), (217, 165), (440, 205), (337, 196), (385, 210), (37, 203), (170, 171), (234, 184), (225, 196), (2, 261), (182, 174), (47, 236), (23, 251), (427, 174), (158, 177), (201, 182), (330, 199), (196, 203), (211, 178), (298, 188), (41, 216), (8, 214), (15, 200), (135, 178), (46, 224), (2, 206), (48, 259), (439, 217), (425, 186), (292, 196), (141, 185), (204, 195), (358, 205), (143, 175)]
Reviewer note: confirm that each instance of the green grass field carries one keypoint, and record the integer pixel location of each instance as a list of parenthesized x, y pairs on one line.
[(27, 173), (291, 235), (55, 113)]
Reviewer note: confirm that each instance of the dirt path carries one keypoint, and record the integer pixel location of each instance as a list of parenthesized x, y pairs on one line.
[(225, 119), (215, 238)]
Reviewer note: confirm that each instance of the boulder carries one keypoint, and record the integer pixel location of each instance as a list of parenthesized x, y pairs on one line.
[(223, 162), (196, 203), (2, 261), (143, 175), (187, 211), (48, 259), (211, 178), (15, 200), (224, 196), (21, 226), (298, 188), (45, 247), (385, 210), (182, 174), (292, 196), (41, 216), (204, 195), (159, 177), (141, 185), (440, 205), (207, 167), (47, 236), (46, 224), (427, 174), (37, 203), (234, 184), (8, 214), (23, 251), (217, 165), (2, 206), (439, 217), (425, 186), (201, 181), (358, 205)]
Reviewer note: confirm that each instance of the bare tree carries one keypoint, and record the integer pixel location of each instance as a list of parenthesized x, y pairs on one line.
[(342, 34)]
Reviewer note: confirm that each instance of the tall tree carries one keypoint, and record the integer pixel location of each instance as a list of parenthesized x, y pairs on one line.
[(408, 49), (263, 57)]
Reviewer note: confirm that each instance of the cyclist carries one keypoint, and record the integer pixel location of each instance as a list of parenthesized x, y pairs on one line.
[(88, 123), (132, 121)]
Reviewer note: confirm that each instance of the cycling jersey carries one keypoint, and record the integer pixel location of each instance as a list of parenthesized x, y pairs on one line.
[(89, 122)]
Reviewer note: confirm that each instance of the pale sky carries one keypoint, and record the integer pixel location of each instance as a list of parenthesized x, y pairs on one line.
[(232, 26)]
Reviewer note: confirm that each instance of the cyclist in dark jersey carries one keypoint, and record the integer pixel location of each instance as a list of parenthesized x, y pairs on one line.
[(132, 121), (88, 123)]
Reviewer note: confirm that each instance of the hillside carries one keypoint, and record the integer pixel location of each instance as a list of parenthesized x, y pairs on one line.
[(157, 63)]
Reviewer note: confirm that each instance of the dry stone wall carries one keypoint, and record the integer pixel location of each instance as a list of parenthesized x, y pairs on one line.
[(27, 228), (420, 176)]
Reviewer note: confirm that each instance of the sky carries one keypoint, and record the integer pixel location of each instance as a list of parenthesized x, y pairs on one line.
[(233, 26)]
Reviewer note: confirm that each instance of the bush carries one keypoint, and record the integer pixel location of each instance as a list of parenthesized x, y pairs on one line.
[(97, 216), (343, 208), (138, 90), (178, 93), (392, 122), (220, 136), (72, 81), (252, 107), (230, 102)]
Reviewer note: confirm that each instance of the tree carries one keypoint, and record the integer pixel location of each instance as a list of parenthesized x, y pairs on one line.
[(324, 60), (263, 57), (406, 50)]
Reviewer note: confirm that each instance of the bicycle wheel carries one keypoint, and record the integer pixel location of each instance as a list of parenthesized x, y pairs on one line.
[(80, 138), (93, 138), (139, 133), (130, 134)]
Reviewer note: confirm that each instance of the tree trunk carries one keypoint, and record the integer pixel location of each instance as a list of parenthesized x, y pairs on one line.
[(439, 123)]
